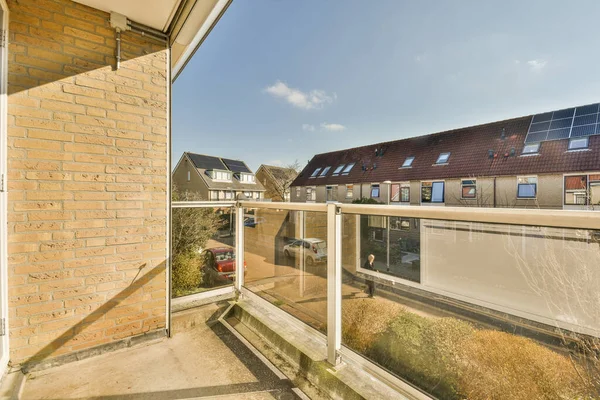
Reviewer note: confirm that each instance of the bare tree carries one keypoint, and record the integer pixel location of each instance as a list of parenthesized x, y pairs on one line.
[(282, 179)]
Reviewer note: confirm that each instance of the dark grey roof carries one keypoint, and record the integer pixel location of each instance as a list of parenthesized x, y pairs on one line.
[(236, 165), (207, 162)]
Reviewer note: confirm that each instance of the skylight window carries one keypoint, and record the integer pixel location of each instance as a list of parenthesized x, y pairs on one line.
[(347, 169), (324, 172), (408, 162), (578, 143), (532, 148), (443, 158), (316, 172), (338, 170)]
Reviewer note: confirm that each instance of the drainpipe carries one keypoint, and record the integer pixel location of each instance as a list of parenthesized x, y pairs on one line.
[(388, 198), (494, 192)]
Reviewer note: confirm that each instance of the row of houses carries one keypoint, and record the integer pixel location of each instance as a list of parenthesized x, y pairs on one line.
[(222, 179), (549, 160)]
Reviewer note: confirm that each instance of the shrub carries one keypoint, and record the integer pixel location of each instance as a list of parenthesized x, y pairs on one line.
[(363, 320), (504, 366), (425, 351), (186, 272)]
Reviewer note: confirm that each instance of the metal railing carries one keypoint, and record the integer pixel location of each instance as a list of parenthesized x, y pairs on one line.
[(335, 213)]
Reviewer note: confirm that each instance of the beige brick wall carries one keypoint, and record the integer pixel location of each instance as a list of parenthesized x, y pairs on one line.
[(87, 153)]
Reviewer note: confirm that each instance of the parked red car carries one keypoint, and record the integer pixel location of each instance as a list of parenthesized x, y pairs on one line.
[(219, 264)]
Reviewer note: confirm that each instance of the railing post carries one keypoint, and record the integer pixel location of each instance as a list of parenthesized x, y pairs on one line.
[(239, 247), (334, 283)]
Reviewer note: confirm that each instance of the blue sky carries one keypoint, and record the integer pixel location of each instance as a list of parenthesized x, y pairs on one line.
[(280, 80)]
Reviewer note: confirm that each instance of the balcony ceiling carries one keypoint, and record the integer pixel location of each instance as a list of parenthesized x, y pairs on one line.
[(156, 14)]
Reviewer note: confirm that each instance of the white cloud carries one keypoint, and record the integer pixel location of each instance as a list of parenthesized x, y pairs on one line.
[(314, 99), (536, 65), (332, 127), (308, 127)]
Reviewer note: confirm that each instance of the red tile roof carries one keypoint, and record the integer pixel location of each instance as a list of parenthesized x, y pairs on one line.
[(469, 156)]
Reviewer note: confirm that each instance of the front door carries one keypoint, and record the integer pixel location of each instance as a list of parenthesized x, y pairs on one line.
[(4, 354)]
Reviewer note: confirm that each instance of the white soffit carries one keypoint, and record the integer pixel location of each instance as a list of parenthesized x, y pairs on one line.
[(156, 14)]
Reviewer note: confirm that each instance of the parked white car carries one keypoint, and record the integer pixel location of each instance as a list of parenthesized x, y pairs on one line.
[(312, 250)]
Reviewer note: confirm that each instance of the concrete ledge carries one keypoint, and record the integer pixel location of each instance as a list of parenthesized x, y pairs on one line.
[(93, 351), (201, 299), (12, 385), (306, 349)]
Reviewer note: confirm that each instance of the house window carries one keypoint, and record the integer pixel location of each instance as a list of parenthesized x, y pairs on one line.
[(228, 195), (311, 193), (526, 187), (408, 162), (349, 191), (329, 192), (443, 158), (533, 148), (324, 172), (578, 143), (221, 175), (469, 189), (338, 170), (214, 195), (189, 176), (400, 193), (298, 192), (576, 190), (246, 178), (377, 221), (348, 168), (374, 191), (399, 224), (257, 195), (377, 235), (316, 172), (432, 192)]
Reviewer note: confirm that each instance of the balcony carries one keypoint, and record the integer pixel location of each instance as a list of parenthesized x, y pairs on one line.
[(477, 303)]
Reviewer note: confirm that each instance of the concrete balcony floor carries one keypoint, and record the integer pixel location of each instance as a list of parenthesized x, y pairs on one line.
[(203, 360)]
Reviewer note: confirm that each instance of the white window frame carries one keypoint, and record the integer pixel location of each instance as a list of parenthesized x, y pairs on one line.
[(216, 175), (408, 162), (443, 156), (463, 184), (312, 190), (375, 186), (351, 191), (338, 170), (324, 172), (433, 181), (402, 185), (298, 192), (525, 152), (329, 189), (247, 178), (4, 340), (574, 140), (348, 168), (527, 183), (315, 173)]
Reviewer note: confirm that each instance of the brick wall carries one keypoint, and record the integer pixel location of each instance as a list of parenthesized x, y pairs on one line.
[(87, 155)]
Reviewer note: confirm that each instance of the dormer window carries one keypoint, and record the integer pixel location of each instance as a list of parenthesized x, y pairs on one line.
[(218, 175), (246, 178), (338, 170), (443, 158), (346, 170), (324, 172), (315, 173), (408, 162)]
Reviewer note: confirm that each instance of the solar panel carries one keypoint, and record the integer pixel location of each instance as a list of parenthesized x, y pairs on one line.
[(236, 165), (206, 162), (564, 124)]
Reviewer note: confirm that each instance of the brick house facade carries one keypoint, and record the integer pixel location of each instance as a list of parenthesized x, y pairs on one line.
[(87, 172)]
